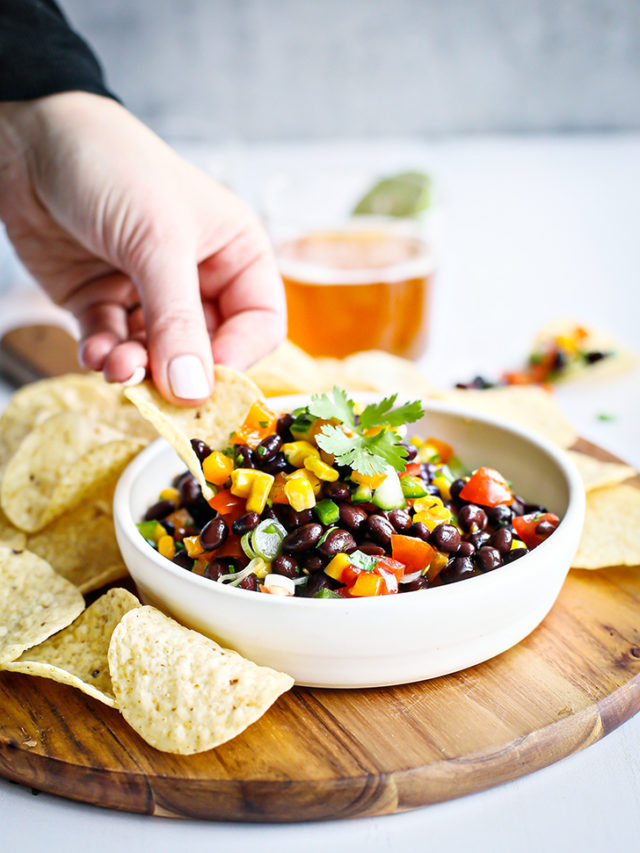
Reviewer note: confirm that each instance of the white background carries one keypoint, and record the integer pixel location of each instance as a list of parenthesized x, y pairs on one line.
[(533, 229)]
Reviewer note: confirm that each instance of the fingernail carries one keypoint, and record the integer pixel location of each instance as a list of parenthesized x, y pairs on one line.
[(187, 378), (136, 377)]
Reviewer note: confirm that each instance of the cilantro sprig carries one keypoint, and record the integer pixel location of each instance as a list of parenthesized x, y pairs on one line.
[(366, 453)]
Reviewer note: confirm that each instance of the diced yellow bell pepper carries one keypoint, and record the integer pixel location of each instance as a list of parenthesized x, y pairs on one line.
[(428, 453), (259, 493), (295, 452), (167, 547), (443, 486), (170, 494), (336, 566), (217, 468), (193, 546), (321, 469), (427, 503), (416, 441), (299, 492), (158, 532), (437, 565), (517, 543), (241, 481), (367, 584)]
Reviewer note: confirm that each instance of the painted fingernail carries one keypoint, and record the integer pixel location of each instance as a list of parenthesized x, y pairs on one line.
[(187, 378), (136, 377)]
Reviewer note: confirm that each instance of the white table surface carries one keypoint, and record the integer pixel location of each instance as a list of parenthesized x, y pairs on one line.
[(533, 229)]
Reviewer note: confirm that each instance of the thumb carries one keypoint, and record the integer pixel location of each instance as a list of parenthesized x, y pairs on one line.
[(177, 338)]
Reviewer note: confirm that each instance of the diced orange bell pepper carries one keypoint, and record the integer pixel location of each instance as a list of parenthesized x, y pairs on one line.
[(444, 450), (487, 487), (412, 552), (277, 494), (367, 584), (395, 566), (217, 468), (372, 481), (225, 503), (261, 418), (193, 546)]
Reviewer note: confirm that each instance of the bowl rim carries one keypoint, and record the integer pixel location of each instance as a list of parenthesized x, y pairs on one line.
[(574, 515)]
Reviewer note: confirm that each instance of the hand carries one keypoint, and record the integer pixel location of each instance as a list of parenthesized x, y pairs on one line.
[(164, 268)]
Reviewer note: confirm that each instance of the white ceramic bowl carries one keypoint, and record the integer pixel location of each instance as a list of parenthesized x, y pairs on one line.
[(388, 639)]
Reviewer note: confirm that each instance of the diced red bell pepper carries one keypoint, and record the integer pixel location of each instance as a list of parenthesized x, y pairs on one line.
[(412, 470), (390, 581), (525, 526), (386, 564), (487, 487), (412, 553)]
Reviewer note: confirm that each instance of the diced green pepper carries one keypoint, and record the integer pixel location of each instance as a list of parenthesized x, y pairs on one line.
[(301, 427), (413, 487), (148, 531), (326, 593), (327, 512)]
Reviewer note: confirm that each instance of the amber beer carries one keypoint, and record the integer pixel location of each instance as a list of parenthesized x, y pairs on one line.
[(357, 288)]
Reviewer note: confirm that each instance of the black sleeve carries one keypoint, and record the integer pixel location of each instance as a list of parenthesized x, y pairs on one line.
[(40, 54)]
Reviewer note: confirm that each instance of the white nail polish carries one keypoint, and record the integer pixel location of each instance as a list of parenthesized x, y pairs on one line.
[(187, 378), (136, 377)]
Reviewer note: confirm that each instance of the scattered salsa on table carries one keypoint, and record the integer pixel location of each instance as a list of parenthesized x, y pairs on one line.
[(333, 500)]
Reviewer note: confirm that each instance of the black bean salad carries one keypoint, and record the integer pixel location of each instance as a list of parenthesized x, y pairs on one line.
[(333, 501)]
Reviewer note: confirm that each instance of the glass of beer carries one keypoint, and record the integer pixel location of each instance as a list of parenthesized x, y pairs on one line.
[(352, 282)]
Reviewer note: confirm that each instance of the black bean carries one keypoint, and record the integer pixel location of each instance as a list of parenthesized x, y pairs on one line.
[(517, 507), (545, 528), (285, 565), (515, 554), (432, 489), (214, 533), (595, 355), (290, 518), (244, 457), (457, 569), (179, 478), (352, 516), (201, 512), (268, 448), (250, 583), (316, 583), (337, 491), (559, 360), (488, 558), (267, 512), (428, 471), (200, 448), (529, 508), (190, 491), (159, 510), (472, 518), (478, 539), (445, 537), (283, 427), (368, 507), (400, 519), (380, 529), (245, 523), (182, 559), (420, 531), (169, 527), (302, 538), (219, 566), (371, 549), (456, 487), (465, 549), (337, 541), (314, 562), (499, 515), (414, 586), (502, 539), (275, 465), (412, 450)]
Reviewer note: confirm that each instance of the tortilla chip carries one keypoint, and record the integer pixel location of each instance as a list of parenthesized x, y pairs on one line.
[(288, 370), (524, 405), (84, 394), (620, 360), (78, 655), (35, 602), (61, 462), (610, 533), (597, 474), (81, 544), (212, 422), (182, 692), (10, 535), (375, 370)]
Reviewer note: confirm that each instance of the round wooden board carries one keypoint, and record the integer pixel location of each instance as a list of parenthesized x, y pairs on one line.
[(322, 754)]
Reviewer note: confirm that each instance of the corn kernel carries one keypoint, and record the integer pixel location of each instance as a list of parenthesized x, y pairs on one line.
[(241, 481), (299, 492), (443, 486), (427, 452), (295, 452), (158, 532), (170, 494), (517, 543), (416, 441), (321, 469), (217, 468), (428, 503), (260, 488), (309, 477), (193, 546), (167, 547)]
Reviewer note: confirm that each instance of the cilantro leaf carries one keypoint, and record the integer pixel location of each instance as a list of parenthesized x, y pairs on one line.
[(333, 440), (376, 414), (341, 407), (387, 447)]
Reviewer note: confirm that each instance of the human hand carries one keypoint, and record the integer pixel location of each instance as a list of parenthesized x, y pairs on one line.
[(164, 268)]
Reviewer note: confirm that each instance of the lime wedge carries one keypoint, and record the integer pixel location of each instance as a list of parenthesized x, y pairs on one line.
[(406, 194)]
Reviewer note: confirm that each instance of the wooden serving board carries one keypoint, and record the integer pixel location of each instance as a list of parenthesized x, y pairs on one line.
[(351, 753)]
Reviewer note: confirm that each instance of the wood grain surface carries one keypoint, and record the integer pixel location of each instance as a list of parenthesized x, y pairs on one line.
[(320, 754)]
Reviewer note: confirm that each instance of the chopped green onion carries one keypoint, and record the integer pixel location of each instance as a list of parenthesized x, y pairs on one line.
[(327, 511)]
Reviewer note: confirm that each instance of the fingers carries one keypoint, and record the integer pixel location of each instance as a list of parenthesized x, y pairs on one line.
[(246, 337), (178, 342)]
